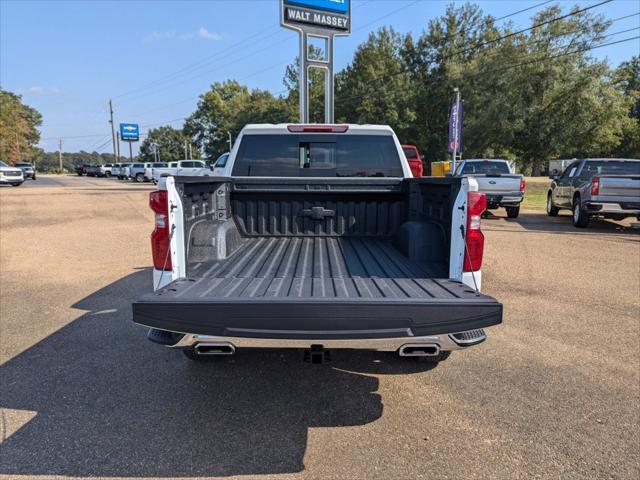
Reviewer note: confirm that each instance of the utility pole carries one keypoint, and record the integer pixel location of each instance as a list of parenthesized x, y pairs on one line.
[(18, 145), (117, 147), (456, 129), (230, 141), (113, 133), (60, 155), (185, 150), (190, 153)]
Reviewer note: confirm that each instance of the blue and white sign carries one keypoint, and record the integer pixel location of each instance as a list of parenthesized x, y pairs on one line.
[(331, 16), (340, 6), (129, 132)]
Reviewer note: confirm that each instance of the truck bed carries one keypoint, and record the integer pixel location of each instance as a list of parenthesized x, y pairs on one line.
[(321, 287)]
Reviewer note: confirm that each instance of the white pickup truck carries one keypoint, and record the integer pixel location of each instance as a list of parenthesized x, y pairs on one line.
[(149, 168), (182, 168), (497, 181), (317, 237)]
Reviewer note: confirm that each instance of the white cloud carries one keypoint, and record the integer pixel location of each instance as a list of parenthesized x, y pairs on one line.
[(153, 36), (42, 90), (207, 35), (202, 33)]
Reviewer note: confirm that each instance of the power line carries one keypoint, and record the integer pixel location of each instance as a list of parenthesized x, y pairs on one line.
[(523, 10), (199, 64), (563, 54), (216, 56), (546, 22), (172, 84), (446, 57), (382, 17)]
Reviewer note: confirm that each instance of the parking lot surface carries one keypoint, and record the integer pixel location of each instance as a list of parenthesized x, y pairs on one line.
[(554, 392)]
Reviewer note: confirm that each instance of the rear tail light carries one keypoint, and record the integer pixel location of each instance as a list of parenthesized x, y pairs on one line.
[(160, 238), (595, 186), (318, 128), (522, 184), (416, 168), (477, 204)]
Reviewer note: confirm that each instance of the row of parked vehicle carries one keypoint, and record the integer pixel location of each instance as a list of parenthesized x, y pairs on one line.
[(146, 172), (590, 187), (608, 188), (16, 175)]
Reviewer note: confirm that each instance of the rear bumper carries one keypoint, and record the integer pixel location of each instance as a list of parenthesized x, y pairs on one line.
[(613, 208), (11, 180), (444, 342), (511, 199)]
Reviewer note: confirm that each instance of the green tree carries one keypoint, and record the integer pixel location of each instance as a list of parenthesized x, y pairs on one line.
[(530, 95), (171, 145), (627, 79), (563, 102), (226, 109), (18, 128), (444, 57), (316, 88), (376, 86)]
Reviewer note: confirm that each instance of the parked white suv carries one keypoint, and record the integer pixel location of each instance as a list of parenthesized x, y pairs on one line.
[(10, 175)]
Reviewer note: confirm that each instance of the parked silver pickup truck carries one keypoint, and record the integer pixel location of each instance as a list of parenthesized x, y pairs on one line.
[(497, 181), (604, 187)]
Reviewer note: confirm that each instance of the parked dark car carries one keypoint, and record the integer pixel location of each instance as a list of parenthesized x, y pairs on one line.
[(603, 187), (27, 170), (82, 169), (94, 171)]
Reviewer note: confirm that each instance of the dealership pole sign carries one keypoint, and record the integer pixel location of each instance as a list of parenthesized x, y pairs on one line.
[(129, 132), (317, 22)]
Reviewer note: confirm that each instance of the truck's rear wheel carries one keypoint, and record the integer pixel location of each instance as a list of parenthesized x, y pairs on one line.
[(513, 212), (552, 210), (580, 217), (140, 178)]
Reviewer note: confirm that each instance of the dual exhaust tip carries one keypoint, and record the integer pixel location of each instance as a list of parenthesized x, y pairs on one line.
[(419, 350), (222, 348)]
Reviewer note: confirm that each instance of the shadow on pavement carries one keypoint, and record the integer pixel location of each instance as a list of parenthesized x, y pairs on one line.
[(109, 403), (541, 222)]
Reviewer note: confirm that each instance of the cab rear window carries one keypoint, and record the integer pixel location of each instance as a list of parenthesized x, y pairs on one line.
[(410, 153), (309, 155), (610, 167), (483, 168)]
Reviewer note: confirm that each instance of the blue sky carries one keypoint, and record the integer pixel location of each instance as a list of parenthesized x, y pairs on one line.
[(67, 58)]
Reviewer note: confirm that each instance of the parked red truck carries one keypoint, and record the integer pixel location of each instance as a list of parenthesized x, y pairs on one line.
[(413, 157)]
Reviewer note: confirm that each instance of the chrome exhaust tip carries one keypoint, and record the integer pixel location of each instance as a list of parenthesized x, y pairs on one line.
[(419, 350), (214, 349)]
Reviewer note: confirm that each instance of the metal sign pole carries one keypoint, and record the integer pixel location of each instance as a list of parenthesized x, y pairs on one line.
[(456, 129), (323, 20), (329, 102), (303, 87)]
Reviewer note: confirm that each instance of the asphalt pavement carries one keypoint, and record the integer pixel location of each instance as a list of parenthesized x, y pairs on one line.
[(553, 393)]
